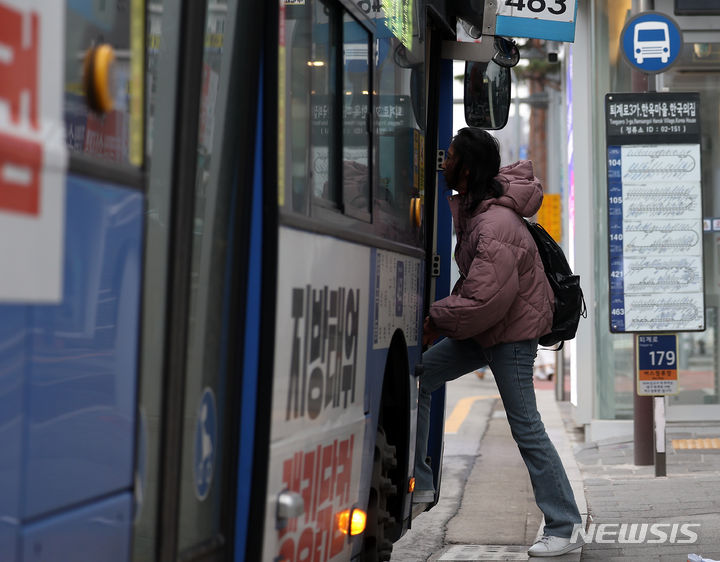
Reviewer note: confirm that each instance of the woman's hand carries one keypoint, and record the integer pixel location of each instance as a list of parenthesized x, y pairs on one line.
[(429, 332)]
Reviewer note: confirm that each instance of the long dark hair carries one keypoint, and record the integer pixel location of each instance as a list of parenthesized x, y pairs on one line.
[(478, 152)]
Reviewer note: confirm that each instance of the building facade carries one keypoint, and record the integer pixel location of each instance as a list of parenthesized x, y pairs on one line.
[(602, 364)]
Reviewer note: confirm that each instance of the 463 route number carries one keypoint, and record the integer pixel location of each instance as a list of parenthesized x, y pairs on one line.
[(554, 10), (556, 7)]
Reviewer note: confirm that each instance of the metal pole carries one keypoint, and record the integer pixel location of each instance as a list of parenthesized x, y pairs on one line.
[(560, 375), (643, 406), (642, 420), (660, 463)]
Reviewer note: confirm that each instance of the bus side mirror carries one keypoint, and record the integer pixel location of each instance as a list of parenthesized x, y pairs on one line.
[(487, 94)]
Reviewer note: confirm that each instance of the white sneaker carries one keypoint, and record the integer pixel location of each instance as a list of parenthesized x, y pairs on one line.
[(423, 496), (553, 546)]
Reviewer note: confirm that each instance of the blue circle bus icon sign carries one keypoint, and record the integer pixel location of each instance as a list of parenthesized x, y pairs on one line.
[(205, 444), (651, 42)]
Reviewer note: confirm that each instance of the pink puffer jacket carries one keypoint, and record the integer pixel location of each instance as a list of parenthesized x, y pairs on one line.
[(503, 295)]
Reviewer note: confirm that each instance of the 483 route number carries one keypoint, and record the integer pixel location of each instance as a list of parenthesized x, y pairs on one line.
[(555, 7)]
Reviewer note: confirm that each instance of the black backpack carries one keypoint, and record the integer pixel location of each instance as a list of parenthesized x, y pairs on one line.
[(569, 300)]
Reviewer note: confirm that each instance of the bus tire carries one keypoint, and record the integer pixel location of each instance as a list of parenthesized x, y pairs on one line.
[(376, 546)]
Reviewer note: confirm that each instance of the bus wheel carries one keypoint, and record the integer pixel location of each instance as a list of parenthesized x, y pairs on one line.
[(376, 546)]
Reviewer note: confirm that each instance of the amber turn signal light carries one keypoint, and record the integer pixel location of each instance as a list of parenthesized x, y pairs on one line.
[(352, 522)]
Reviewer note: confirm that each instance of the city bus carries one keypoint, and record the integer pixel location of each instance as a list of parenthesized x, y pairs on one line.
[(218, 237)]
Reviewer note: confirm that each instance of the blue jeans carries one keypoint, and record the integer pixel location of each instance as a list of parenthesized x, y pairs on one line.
[(512, 367)]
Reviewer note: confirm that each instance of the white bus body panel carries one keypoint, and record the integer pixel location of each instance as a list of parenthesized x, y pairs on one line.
[(318, 419)]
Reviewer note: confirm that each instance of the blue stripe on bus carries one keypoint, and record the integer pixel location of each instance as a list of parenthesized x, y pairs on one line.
[(444, 218), (252, 344)]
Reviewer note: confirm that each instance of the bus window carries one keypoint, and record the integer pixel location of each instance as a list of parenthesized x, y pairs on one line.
[(306, 108), (117, 134), (323, 67), (399, 125), (325, 107), (351, 119), (356, 118)]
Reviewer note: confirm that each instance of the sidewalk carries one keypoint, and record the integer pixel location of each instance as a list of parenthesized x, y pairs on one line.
[(499, 480), (678, 514), (619, 501)]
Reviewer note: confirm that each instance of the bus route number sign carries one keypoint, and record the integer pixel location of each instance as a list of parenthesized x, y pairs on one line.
[(553, 20), (557, 10), (657, 372)]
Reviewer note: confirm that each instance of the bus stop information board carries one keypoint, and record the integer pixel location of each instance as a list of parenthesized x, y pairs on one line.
[(657, 365), (654, 212)]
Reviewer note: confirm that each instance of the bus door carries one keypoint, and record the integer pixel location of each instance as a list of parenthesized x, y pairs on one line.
[(203, 61)]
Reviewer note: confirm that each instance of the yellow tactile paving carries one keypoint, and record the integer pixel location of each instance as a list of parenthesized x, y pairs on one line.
[(710, 443)]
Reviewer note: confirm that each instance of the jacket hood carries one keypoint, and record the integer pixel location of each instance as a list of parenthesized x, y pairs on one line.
[(523, 192)]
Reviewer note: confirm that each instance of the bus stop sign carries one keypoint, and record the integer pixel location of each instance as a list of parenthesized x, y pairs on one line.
[(651, 42), (553, 20)]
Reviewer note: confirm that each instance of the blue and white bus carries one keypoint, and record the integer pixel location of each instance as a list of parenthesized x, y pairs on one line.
[(217, 229)]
